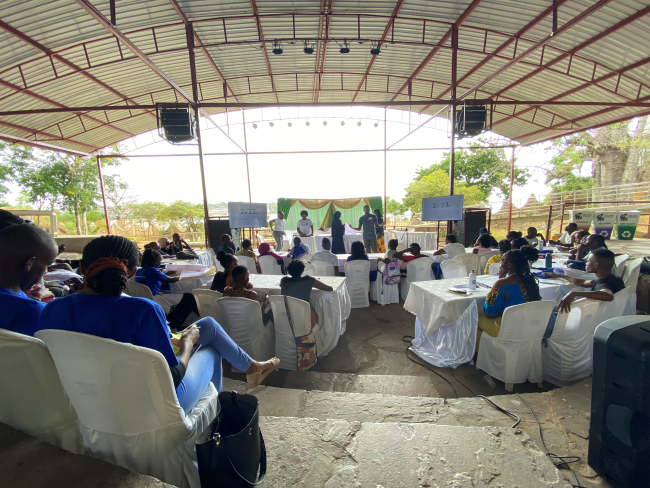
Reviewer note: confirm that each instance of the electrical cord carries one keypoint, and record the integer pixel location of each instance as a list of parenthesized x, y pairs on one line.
[(564, 460), (423, 364)]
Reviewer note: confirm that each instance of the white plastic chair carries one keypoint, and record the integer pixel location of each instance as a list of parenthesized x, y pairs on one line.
[(453, 269), (515, 355), (207, 301), (401, 246), (416, 270), (615, 307), (285, 343), (620, 263), (494, 269), (249, 263), (135, 289), (310, 270), (285, 246), (269, 265), (455, 249), (32, 399), (260, 239), (382, 293), (127, 406), (243, 318), (483, 259), (631, 274), (322, 268), (357, 281), (567, 356), (471, 262), (305, 258)]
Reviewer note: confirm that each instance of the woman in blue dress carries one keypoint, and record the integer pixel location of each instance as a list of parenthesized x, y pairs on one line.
[(516, 285)]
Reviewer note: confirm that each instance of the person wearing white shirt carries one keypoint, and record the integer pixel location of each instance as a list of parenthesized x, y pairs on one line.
[(566, 239), (278, 230), (327, 256), (532, 236), (451, 248), (305, 225)]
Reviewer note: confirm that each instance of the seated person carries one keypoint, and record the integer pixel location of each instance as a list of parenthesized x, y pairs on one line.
[(565, 239), (265, 250), (155, 246), (452, 247), (298, 249), (483, 231), (594, 242), (297, 286), (149, 274), (106, 264), (606, 284), (512, 235), (408, 255), (166, 246), (224, 278), (518, 243), (392, 250), (226, 244), (504, 247), (483, 244), (516, 285), (532, 235), (240, 288), (179, 243), (327, 255), (579, 237), (247, 250), (25, 253), (530, 253), (358, 252)]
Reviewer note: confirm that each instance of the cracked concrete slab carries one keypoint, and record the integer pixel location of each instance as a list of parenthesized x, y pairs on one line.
[(342, 454)]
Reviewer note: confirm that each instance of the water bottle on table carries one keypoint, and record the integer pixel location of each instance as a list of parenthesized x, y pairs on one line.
[(472, 280)]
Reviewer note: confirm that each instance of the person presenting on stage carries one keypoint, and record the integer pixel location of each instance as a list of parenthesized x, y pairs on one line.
[(338, 230), (379, 230), (368, 222), (305, 225)]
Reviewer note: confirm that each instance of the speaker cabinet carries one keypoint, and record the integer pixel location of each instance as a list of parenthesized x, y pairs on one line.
[(176, 124), (470, 121), (619, 434), (217, 228), (474, 220)]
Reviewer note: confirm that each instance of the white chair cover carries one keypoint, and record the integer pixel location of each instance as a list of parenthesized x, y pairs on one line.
[(309, 270), (515, 355), (269, 265), (260, 239), (285, 343), (305, 258), (494, 269), (127, 406), (416, 270), (207, 301), (32, 399), (401, 246), (382, 293), (483, 259), (243, 318), (620, 263), (285, 246), (614, 308), (135, 289), (357, 281), (249, 263), (455, 249), (453, 269), (471, 262), (567, 357), (631, 273), (322, 268)]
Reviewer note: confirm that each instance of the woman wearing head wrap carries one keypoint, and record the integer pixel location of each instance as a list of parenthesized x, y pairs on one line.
[(338, 229), (265, 250)]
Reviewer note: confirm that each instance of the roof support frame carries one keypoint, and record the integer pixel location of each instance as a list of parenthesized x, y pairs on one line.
[(264, 50), (319, 72)]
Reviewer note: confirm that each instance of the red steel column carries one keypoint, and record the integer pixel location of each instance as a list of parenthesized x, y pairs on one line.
[(101, 183), (385, 128), (248, 173), (452, 155)]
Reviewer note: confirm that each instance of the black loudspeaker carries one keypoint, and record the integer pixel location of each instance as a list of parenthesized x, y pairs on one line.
[(176, 124), (619, 434), (474, 220), (470, 121), (217, 228)]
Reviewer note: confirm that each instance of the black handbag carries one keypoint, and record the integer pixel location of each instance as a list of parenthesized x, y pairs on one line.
[(233, 451)]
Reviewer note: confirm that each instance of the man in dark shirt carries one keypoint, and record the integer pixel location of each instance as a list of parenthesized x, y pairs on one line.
[(603, 288)]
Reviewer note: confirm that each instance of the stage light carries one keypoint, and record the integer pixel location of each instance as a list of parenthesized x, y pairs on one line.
[(271, 124), (277, 48), (307, 123), (290, 124), (254, 126), (374, 51), (343, 122), (324, 122), (308, 49), (359, 123), (345, 49)]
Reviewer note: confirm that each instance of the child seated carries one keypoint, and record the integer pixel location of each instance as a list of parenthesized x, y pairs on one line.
[(298, 249), (240, 289)]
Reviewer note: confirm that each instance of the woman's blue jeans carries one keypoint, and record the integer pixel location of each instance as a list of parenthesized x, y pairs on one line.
[(205, 365)]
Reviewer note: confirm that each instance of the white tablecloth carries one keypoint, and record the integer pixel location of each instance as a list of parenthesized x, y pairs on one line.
[(315, 242), (372, 257), (332, 307), (447, 323), (426, 240), (207, 257)]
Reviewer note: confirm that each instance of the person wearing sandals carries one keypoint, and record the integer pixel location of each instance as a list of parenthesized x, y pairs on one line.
[(102, 310), (297, 286)]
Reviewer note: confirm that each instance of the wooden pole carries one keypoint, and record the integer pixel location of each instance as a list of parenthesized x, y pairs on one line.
[(385, 129), (101, 183)]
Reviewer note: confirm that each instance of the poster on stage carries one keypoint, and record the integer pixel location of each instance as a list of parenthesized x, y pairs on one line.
[(244, 215), (442, 208)]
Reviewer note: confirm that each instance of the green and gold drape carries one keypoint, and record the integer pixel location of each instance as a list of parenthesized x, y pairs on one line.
[(321, 211)]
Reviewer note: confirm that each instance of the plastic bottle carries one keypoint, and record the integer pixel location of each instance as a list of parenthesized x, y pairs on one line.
[(472, 280), (549, 260)]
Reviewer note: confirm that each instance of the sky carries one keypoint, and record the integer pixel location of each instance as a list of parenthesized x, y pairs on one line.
[(175, 175)]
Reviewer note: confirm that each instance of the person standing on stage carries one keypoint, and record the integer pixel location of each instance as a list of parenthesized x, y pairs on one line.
[(368, 222), (379, 230), (278, 231), (305, 225), (338, 230)]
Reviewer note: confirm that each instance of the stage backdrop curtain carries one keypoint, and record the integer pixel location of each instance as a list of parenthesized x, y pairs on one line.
[(351, 215), (376, 202), (316, 215), (284, 205)]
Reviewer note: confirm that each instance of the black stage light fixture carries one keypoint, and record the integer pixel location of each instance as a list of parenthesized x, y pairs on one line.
[(345, 49), (175, 124), (470, 120), (277, 48), (308, 49), (374, 50)]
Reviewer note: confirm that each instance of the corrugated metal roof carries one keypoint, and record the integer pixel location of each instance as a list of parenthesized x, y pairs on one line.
[(55, 55)]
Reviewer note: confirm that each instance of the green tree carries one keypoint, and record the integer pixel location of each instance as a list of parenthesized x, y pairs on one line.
[(184, 214), (115, 189), (146, 213), (393, 207), (436, 184)]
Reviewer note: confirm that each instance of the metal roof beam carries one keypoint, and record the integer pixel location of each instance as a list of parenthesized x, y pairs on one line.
[(264, 50), (472, 6), (319, 72), (389, 25), (42, 145), (104, 22), (36, 132), (320, 34)]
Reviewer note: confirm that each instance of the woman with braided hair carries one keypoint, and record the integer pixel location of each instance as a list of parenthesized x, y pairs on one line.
[(102, 310), (516, 285)]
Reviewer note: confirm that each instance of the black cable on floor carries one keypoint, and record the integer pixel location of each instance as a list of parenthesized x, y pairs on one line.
[(513, 415), (564, 460), (424, 365)]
